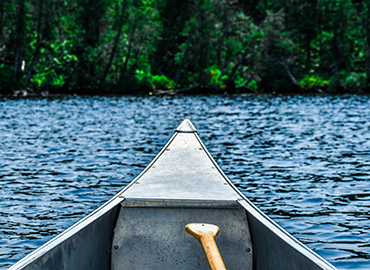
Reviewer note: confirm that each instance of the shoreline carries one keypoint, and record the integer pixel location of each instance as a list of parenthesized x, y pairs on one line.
[(191, 91)]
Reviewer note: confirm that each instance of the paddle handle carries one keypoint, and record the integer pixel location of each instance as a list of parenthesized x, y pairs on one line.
[(205, 234)]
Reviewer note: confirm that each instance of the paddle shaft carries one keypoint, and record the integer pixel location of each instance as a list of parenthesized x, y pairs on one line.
[(205, 234)]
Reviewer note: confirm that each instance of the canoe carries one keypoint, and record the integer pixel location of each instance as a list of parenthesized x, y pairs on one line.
[(143, 226)]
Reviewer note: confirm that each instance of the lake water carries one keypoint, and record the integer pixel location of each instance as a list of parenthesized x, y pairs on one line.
[(304, 160)]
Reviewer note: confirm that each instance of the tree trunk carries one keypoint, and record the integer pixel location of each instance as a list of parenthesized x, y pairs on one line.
[(131, 73), (87, 25), (237, 65), (171, 32), (38, 42), (17, 53), (290, 75), (178, 74), (61, 33), (124, 69), (112, 54), (367, 46), (18, 47), (308, 54), (225, 36), (115, 45), (2, 11)]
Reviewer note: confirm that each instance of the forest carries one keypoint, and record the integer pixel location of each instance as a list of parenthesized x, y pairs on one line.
[(118, 47)]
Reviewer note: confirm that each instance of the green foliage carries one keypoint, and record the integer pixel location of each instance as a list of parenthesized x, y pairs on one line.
[(253, 84), (145, 80), (312, 81), (215, 74), (162, 82), (6, 75), (353, 80), (128, 46), (49, 77), (239, 81)]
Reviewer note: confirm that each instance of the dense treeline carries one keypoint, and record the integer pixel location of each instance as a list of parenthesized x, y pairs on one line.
[(131, 46)]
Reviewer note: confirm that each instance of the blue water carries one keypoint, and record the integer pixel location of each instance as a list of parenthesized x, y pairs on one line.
[(304, 160)]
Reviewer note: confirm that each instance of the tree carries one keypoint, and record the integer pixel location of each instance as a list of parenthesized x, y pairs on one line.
[(367, 44)]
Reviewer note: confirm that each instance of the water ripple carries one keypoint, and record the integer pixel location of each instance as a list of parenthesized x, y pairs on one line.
[(303, 160)]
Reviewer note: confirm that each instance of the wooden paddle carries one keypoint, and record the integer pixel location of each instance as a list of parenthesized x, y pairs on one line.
[(205, 234)]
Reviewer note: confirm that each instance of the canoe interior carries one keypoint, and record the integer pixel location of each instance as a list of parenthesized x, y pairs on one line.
[(155, 238), (88, 247), (143, 227)]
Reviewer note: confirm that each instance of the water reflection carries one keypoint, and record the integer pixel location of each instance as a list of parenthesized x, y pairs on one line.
[(303, 160)]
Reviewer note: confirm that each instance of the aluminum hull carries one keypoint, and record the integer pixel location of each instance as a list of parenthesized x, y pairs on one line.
[(142, 227)]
